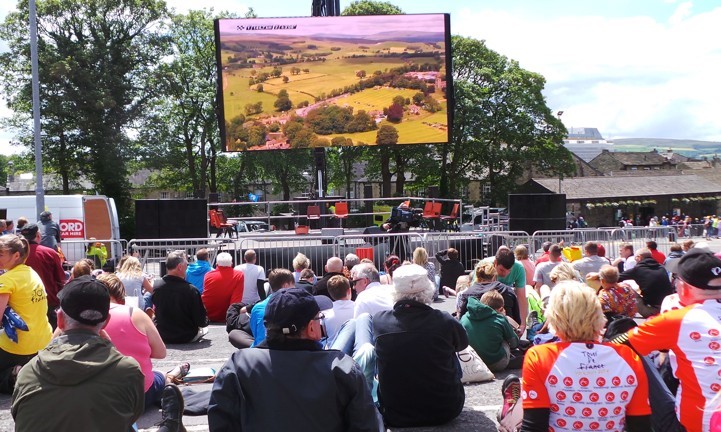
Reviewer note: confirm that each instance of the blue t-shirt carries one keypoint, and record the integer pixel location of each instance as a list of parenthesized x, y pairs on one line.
[(257, 326)]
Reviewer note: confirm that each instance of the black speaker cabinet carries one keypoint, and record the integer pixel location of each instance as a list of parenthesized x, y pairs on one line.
[(168, 218), (536, 212)]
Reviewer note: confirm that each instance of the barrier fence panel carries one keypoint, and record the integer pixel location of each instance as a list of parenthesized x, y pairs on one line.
[(637, 236), (473, 246), (568, 237), (600, 235), (279, 251), (377, 247), (152, 252)]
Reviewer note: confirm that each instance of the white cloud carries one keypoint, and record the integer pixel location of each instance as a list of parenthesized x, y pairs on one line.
[(631, 76)]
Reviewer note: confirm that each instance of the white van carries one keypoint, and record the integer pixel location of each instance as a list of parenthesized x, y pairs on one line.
[(80, 217)]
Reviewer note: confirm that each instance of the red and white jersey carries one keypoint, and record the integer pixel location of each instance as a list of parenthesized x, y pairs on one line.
[(693, 335), (587, 386)]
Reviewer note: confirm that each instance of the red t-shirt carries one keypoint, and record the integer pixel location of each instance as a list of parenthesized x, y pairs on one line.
[(221, 287), (693, 336), (46, 263), (587, 386)]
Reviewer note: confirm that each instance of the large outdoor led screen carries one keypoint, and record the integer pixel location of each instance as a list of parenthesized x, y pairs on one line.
[(287, 83)]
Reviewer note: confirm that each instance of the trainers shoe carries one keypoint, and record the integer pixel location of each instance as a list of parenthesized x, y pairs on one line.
[(511, 390), (171, 407)]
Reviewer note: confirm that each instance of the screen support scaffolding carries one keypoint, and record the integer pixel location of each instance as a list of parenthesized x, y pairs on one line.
[(322, 8)]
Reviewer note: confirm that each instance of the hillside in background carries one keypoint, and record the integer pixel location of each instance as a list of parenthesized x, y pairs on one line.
[(691, 148)]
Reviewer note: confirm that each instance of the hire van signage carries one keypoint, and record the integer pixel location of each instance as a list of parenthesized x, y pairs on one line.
[(72, 229)]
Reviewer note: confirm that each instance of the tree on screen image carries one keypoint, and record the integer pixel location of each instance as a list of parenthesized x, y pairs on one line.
[(387, 135), (283, 103), (395, 113)]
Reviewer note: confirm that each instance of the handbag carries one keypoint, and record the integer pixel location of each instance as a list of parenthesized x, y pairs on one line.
[(472, 366)]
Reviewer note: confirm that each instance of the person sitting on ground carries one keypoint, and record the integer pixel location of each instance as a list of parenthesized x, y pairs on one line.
[(581, 382), (80, 381), (486, 281), (318, 390), (676, 252), (350, 261), (542, 273), (22, 290), (489, 332), (179, 312), (420, 257), (22, 221), (136, 283), (462, 284), (333, 267), (451, 268), (279, 279), (197, 270), (591, 262), (81, 268), (653, 282), (686, 246), (223, 285), (391, 263), (617, 299), (691, 335), (300, 263), (521, 253), (306, 280), (512, 273), (340, 292), (545, 247), (626, 259), (659, 256), (419, 379), (372, 296), (133, 333), (252, 273)]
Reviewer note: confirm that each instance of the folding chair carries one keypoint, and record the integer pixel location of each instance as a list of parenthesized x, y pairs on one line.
[(450, 222), (313, 213), (431, 214), (224, 221), (218, 225), (341, 211)]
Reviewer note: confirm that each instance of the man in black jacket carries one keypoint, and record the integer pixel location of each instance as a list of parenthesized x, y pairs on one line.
[(289, 382), (333, 267), (451, 268), (179, 312), (653, 281)]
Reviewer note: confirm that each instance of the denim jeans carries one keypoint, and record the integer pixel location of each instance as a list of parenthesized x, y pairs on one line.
[(355, 338)]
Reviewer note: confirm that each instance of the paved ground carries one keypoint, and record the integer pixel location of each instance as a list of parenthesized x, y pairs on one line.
[(482, 400)]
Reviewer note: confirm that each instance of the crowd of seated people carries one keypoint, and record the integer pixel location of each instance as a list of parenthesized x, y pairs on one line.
[(384, 324)]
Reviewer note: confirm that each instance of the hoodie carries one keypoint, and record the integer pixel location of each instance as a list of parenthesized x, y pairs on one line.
[(78, 382), (196, 273), (487, 330), (49, 231)]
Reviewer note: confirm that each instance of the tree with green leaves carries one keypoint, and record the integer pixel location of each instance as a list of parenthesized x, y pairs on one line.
[(502, 124), (283, 103), (99, 71), (370, 7)]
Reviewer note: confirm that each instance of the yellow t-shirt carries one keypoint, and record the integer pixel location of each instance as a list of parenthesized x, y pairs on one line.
[(29, 300)]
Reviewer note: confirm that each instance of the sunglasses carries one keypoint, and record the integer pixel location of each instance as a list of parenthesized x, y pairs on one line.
[(354, 281)]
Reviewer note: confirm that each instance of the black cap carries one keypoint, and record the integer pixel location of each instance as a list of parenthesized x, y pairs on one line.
[(85, 300), (291, 309), (29, 231), (698, 267)]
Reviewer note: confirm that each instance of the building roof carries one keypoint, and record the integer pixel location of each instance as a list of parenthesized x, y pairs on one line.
[(584, 133), (652, 158), (589, 188)]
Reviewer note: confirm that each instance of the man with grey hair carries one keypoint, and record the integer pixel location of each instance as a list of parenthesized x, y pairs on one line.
[(80, 368), (179, 312), (333, 267), (351, 260), (414, 340), (223, 286), (372, 296)]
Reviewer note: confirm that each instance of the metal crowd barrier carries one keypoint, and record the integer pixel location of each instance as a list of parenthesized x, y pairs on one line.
[(637, 236), (152, 252), (75, 250)]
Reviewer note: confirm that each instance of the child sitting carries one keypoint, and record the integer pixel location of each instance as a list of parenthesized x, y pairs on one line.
[(490, 333)]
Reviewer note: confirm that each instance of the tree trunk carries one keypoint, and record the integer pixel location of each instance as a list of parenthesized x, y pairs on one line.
[(386, 173), (401, 163)]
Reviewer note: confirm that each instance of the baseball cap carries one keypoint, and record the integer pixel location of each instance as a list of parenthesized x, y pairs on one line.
[(85, 300), (29, 231), (698, 267), (291, 309)]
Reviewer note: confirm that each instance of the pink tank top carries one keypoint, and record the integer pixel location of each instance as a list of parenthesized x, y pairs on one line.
[(129, 340)]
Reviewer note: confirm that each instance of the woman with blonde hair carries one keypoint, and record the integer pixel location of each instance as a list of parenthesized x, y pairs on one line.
[(22, 290), (420, 257), (300, 263), (131, 275), (580, 374)]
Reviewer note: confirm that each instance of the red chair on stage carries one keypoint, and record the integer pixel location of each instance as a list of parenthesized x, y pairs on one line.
[(216, 223), (341, 211), (432, 214), (313, 213), (450, 222)]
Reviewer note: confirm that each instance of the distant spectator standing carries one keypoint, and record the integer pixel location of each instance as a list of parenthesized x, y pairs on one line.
[(223, 286), (49, 231), (46, 263), (195, 274), (451, 268), (179, 312), (252, 274), (659, 256)]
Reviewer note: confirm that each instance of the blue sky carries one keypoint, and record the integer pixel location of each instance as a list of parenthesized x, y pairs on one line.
[(641, 68)]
